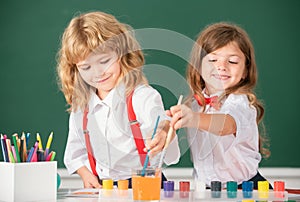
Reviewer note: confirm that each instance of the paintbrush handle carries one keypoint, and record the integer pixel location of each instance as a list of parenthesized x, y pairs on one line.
[(162, 156), (170, 132), (168, 139)]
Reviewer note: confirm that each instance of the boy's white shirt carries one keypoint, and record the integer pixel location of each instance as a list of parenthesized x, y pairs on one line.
[(229, 157), (110, 133)]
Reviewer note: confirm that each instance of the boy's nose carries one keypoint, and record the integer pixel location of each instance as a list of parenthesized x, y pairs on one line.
[(99, 70)]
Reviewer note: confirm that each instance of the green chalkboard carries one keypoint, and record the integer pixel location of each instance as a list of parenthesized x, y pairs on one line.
[(30, 100)]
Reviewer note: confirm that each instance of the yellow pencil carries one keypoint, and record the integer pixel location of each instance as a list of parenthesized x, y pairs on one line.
[(48, 144), (49, 140), (38, 138)]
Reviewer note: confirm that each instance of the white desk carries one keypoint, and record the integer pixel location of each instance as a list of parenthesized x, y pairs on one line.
[(61, 196)]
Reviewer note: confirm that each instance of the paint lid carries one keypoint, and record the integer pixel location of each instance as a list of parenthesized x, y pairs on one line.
[(107, 184), (215, 185), (247, 185), (184, 186), (231, 186), (279, 186), (123, 184), (263, 186), (168, 185)]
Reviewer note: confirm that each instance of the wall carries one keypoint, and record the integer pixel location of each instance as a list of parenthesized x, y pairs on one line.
[(30, 35)]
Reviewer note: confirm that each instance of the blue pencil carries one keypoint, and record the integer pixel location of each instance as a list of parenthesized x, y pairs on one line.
[(27, 139), (30, 154), (147, 156)]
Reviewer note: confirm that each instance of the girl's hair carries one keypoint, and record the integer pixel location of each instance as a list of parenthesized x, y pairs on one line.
[(216, 36), (96, 32)]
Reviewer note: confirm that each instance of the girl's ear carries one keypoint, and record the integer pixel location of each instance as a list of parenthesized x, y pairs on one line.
[(245, 74)]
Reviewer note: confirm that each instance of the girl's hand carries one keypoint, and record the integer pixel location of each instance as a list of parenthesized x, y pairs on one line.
[(88, 178), (183, 116)]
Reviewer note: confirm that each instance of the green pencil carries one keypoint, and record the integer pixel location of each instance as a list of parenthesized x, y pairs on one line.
[(53, 156), (14, 137)]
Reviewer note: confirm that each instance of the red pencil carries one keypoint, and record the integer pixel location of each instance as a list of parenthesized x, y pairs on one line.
[(34, 156)]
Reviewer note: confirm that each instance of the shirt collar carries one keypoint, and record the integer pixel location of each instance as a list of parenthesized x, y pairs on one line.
[(214, 94), (112, 100)]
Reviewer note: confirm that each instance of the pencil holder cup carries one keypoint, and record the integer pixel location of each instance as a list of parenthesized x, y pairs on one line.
[(36, 181)]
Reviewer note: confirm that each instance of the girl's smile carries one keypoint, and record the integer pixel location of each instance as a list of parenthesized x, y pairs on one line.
[(221, 77)]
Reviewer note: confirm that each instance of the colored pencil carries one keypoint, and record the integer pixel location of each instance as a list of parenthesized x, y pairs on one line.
[(49, 141), (27, 139), (24, 148), (13, 150), (34, 155), (21, 150), (38, 138), (30, 154), (40, 155), (49, 156), (14, 137), (10, 155), (4, 149), (53, 156)]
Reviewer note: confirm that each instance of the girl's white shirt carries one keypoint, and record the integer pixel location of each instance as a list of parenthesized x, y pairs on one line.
[(229, 157), (110, 134)]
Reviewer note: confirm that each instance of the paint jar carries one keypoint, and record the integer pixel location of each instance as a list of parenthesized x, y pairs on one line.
[(169, 189), (231, 187), (216, 187), (146, 184), (123, 188), (184, 189), (200, 189), (107, 187), (247, 187), (263, 189), (279, 188)]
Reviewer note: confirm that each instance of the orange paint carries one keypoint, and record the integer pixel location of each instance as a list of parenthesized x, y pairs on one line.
[(146, 188)]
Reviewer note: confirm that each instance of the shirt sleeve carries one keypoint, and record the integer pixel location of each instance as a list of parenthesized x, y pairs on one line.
[(240, 158), (245, 117), (75, 155), (148, 105)]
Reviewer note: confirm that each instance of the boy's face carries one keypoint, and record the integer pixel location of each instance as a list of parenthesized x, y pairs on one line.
[(100, 70), (223, 68)]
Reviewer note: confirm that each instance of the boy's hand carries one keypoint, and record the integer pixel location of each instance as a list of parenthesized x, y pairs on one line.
[(156, 145), (88, 178)]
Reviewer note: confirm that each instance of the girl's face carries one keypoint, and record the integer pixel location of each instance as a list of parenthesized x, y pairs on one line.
[(223, 68), (101, 70)]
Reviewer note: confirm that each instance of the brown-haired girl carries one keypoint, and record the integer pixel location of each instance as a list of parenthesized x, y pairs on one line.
[(222, 112)]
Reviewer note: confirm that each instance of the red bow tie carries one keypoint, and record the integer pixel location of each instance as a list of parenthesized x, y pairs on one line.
[(211, 101)]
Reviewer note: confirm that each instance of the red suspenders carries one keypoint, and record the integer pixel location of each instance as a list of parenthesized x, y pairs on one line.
[(135, 128), (91, 158)]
